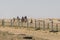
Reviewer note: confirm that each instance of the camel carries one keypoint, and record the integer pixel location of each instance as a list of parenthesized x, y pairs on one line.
[(24, 19)]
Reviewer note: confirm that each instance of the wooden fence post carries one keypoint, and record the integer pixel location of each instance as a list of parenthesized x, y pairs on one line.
[(27, 24), (3, 22), (48, 26), (52, 25), (11, 23), (43, 25), (19, 23), (39, 25), (35, 24), (57, 27)]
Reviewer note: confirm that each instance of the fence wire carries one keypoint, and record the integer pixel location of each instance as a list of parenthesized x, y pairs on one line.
[(37, 24)]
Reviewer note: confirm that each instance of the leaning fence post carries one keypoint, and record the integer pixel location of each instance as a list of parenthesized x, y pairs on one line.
[(3, 22), (39, 25), (18, 22), (48, 26), (52, 25), (21, 24), (57, 27), (35, 24), (11, 23), (27, 23), (43, 25)]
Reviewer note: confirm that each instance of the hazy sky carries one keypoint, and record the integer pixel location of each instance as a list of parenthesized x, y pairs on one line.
[(31, 8)]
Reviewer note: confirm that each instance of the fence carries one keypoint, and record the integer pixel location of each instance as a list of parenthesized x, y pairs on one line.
[(37, 24)]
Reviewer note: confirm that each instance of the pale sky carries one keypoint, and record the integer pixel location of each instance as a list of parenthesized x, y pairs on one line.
[(30, 8)]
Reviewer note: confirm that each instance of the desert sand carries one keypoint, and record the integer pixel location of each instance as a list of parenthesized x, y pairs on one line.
[(37, 35), (18, 32)]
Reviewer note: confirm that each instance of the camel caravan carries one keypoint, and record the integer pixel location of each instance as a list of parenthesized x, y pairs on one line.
[(22, 19), (16, 21)]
